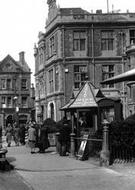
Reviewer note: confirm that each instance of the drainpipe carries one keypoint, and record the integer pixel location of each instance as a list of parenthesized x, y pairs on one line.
[(63, 56), (93, 61)]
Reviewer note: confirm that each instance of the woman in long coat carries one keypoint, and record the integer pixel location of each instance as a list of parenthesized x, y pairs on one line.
[(32, 138), (8, 134)]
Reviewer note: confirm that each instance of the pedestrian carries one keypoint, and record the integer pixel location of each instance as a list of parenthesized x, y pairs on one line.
[(16, 133), (8, 134), (22, 131), (64, 138), (43, 140), (32, 138)]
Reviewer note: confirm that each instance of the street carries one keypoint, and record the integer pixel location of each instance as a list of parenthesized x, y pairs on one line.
[(12, 180), (49, 171)]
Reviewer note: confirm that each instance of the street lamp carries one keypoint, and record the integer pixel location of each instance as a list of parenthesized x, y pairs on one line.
[(16, 109)]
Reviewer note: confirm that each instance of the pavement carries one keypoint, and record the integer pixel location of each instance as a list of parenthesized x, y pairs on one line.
[(22, 159), (50, 171)]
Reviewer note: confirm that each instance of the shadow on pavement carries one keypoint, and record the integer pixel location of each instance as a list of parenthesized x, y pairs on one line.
[(11, 159)]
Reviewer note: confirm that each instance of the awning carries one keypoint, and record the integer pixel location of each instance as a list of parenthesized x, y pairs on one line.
[(126, 76)]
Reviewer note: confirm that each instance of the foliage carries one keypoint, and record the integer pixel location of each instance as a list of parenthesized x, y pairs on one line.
[(50, 124), (123, 133)]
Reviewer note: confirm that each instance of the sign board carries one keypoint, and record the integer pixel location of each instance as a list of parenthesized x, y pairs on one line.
[(83, 145)]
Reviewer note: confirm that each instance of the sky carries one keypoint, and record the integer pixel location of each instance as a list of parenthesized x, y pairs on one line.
[(22, 20)]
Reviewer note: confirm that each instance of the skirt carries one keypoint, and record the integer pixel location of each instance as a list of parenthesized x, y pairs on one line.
[(32, 144)]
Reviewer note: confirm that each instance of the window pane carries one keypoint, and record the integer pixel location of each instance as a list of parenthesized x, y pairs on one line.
[(111, 68), (9, 101), (104, 44), (3, 83), (107, 72), (24, 84), (82, 44), (82, 35), (80, 73), (83, 76), (8, 83), (107, 40), (76, 68), (110, 44), (76, 35), (77, 77), (76, 45), (77, 85)]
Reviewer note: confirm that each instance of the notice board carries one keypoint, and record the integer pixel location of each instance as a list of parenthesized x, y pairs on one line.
[(83, 147)]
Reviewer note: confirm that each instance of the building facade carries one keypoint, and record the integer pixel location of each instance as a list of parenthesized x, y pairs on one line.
[(79, 46), (15, 86)]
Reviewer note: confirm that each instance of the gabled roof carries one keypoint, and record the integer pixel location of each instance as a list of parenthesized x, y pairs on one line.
[(8, 64), (85, 97)]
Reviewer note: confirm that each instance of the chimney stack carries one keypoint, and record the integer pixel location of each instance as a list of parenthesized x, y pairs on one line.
[(21, 57)]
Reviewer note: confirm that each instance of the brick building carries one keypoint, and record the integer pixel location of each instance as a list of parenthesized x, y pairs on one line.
[(15, 85), (79, 46)]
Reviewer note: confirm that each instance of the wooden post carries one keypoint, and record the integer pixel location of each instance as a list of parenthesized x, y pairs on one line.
[(105, 154), (72, 145)]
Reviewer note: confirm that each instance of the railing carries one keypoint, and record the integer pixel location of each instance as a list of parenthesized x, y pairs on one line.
[(122, 154)]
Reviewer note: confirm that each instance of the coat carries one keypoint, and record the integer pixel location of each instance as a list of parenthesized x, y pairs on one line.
[(8, 134), (32, 137), (44, 142)]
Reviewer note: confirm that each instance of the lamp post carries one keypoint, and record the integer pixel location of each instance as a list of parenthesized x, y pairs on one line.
[(105, 153), (122, 39), (16, 110)]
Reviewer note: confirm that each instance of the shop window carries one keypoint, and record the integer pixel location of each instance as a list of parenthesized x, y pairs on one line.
[(107, 72), (80, 75), (132, 36), (107, 40), (79, 41)]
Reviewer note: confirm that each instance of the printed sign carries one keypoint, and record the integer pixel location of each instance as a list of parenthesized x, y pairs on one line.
[(82, 148)]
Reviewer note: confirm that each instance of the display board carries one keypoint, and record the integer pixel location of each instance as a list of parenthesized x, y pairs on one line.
[(83, 147)]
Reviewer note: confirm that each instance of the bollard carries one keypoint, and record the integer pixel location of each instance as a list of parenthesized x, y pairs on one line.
[(105, 154), (72, 145), (57, 142)]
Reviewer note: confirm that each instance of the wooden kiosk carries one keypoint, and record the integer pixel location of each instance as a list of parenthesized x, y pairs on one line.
[(88, 109)]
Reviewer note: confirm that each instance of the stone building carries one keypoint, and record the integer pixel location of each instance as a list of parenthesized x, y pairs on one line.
[(15, 85), (77, 46)]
